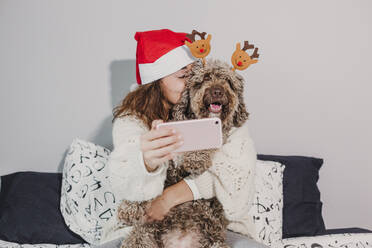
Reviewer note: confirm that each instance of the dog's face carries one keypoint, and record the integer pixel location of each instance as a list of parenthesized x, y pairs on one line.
[(213, 97), (214, 90)]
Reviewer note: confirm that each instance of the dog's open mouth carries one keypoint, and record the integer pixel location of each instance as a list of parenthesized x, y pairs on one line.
[(215, 107)]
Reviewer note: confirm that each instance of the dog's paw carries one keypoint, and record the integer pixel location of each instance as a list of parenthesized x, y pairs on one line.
[(130, 213)]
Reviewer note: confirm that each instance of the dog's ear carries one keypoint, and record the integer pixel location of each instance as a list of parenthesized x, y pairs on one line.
[(197, 65), (241, 115), (196, 74), (182, 109), (237, 84)]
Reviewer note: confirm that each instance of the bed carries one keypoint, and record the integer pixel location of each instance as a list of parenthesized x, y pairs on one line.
[(36, 208)]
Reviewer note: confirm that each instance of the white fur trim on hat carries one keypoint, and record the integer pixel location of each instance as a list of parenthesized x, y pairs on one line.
[(133, 87), (166, 64)]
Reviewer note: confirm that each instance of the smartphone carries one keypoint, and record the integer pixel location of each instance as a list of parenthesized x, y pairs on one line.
[(197, 134)]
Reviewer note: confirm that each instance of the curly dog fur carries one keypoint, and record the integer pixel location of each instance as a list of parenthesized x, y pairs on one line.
[(198, 223)]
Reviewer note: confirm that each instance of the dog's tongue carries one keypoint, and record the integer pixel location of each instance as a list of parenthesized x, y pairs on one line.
[(215, 108)]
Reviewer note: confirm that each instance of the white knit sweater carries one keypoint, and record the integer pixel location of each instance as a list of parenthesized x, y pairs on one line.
[(230, 178)]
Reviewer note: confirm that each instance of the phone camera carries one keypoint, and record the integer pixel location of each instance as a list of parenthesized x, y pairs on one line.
[(216, 122)]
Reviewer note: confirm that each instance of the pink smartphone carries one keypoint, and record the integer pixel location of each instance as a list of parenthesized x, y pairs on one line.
[(197, 134)]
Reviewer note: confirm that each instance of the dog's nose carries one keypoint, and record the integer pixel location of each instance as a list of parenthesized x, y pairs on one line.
[(217, 91)]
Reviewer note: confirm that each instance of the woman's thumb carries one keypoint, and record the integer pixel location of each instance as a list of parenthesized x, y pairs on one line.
[(155, 122)]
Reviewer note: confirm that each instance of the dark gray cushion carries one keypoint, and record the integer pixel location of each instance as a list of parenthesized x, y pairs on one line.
[(29, 209), (347, 230), (302, 208)]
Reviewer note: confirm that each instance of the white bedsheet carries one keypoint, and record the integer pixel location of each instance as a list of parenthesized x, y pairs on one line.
[(5, 244), (345, 240)]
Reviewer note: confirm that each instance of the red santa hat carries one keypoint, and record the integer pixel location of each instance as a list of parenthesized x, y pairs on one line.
[(159, 54)]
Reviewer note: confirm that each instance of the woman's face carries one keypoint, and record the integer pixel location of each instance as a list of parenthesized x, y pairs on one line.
[(173, 84)]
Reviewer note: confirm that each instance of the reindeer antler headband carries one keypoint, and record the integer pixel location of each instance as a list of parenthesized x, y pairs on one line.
[(240, 59)]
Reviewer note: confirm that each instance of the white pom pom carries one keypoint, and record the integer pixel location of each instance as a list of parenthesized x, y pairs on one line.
[(133, 86)]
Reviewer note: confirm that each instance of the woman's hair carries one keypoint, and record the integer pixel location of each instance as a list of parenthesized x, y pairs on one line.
[(147, 102)]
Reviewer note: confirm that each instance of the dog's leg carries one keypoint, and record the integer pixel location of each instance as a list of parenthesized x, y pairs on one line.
[(196, 162), (140, 237), (220, 245), (214, 223), (181, 239), (130, 213)]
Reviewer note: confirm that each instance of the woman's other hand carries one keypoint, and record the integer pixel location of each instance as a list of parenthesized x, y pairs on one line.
[(172, 196), (158, 209), (157, 145)]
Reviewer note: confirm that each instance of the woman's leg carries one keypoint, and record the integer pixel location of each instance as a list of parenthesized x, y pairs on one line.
[(236, 240), (112, 244)]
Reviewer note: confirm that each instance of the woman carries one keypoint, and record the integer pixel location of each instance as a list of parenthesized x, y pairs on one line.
[(139, 160)]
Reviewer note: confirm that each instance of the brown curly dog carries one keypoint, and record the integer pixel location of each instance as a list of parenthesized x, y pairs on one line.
[(212, 90)]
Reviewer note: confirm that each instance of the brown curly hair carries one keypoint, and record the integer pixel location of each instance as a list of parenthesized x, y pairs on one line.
[(147, 102)]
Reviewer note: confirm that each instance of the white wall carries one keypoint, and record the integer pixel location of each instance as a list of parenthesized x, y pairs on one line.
[(64, 65)]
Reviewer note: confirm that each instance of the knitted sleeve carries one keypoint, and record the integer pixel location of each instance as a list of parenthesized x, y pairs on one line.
[(128, 175), (231, 177)]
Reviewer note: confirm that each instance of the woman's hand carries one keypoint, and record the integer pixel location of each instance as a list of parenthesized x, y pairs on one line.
[(158, 209), (172, 196), (157, 145)]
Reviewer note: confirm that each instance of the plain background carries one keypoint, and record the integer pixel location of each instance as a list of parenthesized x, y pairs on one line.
[(64, 65)]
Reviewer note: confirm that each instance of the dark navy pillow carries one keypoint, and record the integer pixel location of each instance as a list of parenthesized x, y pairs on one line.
[(302, 208), (29, 209)]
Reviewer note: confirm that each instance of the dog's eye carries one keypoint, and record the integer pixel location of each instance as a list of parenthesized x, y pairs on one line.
[(198, 85), (207, 77)]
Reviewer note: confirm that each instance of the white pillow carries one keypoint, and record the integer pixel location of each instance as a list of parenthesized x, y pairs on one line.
[(267, 204), (86, 197)]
